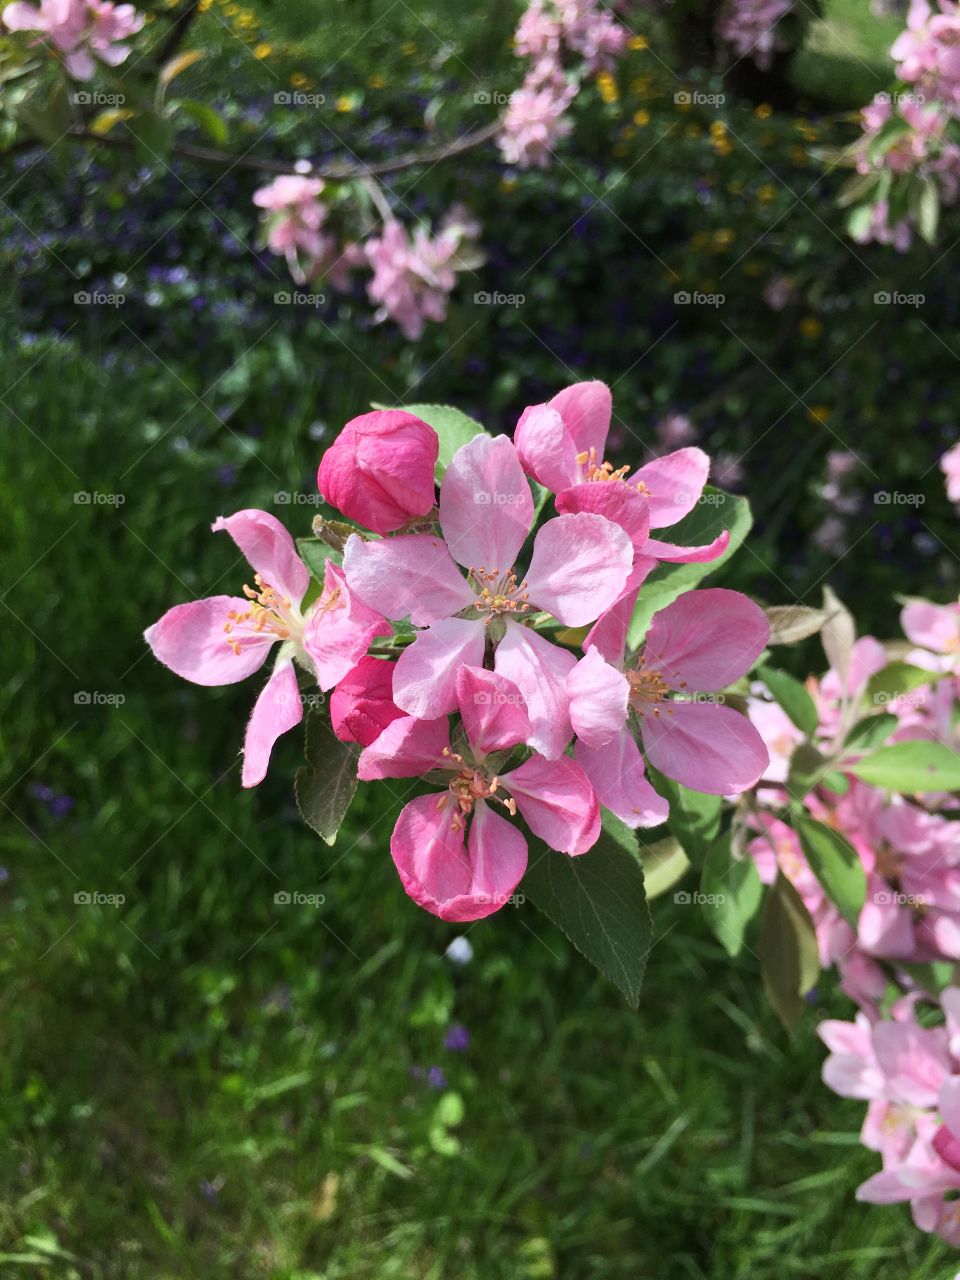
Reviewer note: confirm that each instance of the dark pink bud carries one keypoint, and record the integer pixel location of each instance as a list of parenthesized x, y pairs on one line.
[(362, 704), (379, 470)]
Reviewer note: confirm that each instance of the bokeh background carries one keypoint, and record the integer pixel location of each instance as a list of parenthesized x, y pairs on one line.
[(200, 1081)]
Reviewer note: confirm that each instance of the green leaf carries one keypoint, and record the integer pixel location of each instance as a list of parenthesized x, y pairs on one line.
[(714, 512), (837, 635), (791, 623), (454, 428), (154, 135), (910, 767), (209, 120), (897, 679), (793, 698), (789, 958), (928, 210), (694, 817), (870, 732), (835, 863), (731, 891), (664, 863), (599, 902), (808, 768), (315, 553), (324, 787)]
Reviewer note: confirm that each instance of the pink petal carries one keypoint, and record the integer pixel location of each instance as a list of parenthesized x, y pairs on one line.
[(440, 875), (598, 696), (617, 774), (278, 708), (675, 554), (932, 626), (586, 409), (609, 633), (493, 711), (705, 746), (486, 507), (621, 503), (191, 640), (705, 639), (405, 749), (425, 681), (539, 670), (580, 565), (22, 17), (915, 1061), (269, 549), (339, 629), (546, 448), (673, 484), (949, 1104), (361, 706), (411, 575), (557, 802)]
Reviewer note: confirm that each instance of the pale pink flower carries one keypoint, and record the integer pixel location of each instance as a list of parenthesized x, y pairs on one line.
[(534, 122), (361, 706), (780, 735), (414, 276), (935, 627), (82, 31), (578, 567), (294, 218), (380, 469), (750, 26), (457, 857), (927, 53), (950, 466), (675, 430), (223, 639)]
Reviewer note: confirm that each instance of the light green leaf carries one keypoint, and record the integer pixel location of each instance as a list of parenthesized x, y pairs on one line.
[(599, 902), (731, 892), (789, 957), (714, 512), (870, 732), (325, 786), (896, 679), (664, 863), (694, 817), (209, 120), (792, 697), (454, 428), (835, 863), (911, 767)]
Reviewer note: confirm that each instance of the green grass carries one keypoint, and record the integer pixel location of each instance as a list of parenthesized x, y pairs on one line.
[(199, 1082)]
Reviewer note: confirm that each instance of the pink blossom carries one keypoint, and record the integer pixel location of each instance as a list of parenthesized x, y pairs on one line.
[(950, 466), (578, 568), (561, 445), (778, 292), (675, 430), (380, 469), (222, 639), (414, 276), (879, 229), (750, 26), (934, 627), (81, 30), (780, 735), (361, 706), (696, 646), (534, 122), (928, 51), (457, 857), (294, 217)]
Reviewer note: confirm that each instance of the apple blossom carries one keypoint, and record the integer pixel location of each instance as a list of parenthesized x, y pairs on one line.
[(82, 31)]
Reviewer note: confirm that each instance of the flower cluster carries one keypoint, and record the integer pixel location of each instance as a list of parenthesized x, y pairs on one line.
[(80, 32), (909, 849), (445, 636), (412, 276), (750, 27), (563, 41), (927, 52)]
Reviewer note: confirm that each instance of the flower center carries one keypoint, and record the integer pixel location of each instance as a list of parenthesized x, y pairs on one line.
[(648, 690), (499, 593), (270, 613), (591, 469), (466, 787)]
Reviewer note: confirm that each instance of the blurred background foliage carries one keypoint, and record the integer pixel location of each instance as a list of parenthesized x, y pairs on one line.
[(201, 1081)]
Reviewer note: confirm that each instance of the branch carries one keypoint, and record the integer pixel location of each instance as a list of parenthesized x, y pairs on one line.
[(333, 173)]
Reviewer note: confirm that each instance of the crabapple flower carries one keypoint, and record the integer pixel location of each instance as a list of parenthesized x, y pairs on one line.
[(83, 31), (933, 627), (414, 275), (379, 470), (222, 639), (578, 568), (699, 644), (534, 123), (750, 26), (456, 855), (927, 54), (361, 706), (950, 466), (561, 446), (294, 217)]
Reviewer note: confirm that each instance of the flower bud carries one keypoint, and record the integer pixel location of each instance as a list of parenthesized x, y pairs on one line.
[(362, 705), (379, 470)]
